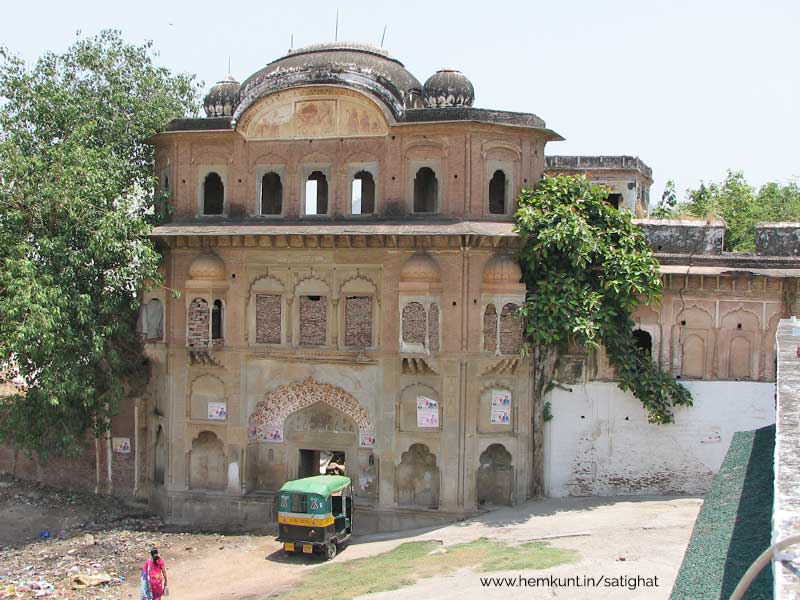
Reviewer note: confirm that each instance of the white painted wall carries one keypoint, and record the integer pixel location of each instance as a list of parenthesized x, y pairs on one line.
[(600, 443)]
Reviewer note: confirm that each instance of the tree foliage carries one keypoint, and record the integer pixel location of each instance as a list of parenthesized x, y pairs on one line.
[(77, 201), (739, 204), (587, 267)]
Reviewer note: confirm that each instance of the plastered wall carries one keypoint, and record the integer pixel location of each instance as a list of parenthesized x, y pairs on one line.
[(600, 443)]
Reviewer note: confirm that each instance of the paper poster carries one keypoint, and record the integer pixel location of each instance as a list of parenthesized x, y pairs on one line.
[(427, 412), (121, 445), (501, 407), (273, 434), (217, 411), (366, 439)]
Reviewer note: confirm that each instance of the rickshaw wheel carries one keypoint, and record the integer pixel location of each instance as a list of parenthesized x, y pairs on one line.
[(330, 551)]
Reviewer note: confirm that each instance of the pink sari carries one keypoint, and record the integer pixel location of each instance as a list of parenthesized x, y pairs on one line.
[(156, 575)]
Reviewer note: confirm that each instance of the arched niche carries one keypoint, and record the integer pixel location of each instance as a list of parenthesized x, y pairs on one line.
[(693, 359), (410, 396), (206, 397), (160, 457), (497, 408), (207, 464), (495, 477), (417, 478), (693, 342), (740, 337)]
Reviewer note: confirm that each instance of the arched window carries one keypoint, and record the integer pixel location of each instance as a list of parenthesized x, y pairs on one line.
[(426, 191), (643, 341), (271, 194), (317, 194), (216, 320), (497, 193), (363, 198), (213, 194)]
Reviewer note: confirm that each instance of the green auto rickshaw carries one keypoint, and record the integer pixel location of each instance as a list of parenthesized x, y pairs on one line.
[(315, 514)]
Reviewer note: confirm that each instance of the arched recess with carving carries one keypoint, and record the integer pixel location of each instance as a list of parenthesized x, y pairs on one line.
[(495, 477), (739, 343), (407, 419), (271, 413), (206, 397), (417, 478), (693, 342), (207, 470)]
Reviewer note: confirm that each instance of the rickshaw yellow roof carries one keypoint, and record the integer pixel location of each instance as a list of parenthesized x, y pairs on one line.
[(322, 485)]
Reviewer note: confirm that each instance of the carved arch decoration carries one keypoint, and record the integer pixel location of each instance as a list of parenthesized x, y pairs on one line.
[(266, 282), (505, 148), (271, 413), (439, 148), (358, 283), (267, 157), (312, 283)]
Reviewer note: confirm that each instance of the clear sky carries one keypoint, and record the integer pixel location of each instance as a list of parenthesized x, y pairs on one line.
[(692, 87)]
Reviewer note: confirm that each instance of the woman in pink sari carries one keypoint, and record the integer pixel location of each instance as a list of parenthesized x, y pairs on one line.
[(154, 577)]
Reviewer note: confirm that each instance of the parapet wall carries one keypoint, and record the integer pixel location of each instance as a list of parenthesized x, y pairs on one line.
[(778, 239), (683, 236)]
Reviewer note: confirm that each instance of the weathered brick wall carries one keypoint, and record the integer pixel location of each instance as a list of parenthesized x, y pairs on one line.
[(490, 329), (433, 328), (80, 473), (313, 320), (198, 319), (413, 323), (510, 329), (268, 319), (358, 321)]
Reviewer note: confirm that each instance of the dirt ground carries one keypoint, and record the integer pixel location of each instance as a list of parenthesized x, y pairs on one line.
[(614, 537)]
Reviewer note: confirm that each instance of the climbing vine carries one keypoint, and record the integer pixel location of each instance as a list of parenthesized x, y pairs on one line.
[(587, 267)]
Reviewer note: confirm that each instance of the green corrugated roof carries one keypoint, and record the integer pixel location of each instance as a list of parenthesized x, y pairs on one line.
[(322, 485)]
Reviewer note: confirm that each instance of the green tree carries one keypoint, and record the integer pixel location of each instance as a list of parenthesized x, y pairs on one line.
[(739, 204), (587, 267), (669, 199), (77, 202)]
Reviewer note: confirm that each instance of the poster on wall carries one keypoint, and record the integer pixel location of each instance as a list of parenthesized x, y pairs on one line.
[(121, 445), (366, 439), (273, 434), (217, 411), (427, 412), (501, 407)]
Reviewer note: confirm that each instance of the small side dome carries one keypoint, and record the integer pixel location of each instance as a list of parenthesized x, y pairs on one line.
[(207, 266), (421, 267), (448, 88), (222, 98), (501, 269)]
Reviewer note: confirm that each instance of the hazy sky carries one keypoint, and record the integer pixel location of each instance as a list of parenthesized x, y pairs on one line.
[(692, 87)]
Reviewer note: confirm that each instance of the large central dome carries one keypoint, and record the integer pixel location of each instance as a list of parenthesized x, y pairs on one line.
[(362, 66)]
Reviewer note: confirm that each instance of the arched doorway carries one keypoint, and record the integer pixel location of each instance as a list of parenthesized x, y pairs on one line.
[(299, 426), (320, 439)]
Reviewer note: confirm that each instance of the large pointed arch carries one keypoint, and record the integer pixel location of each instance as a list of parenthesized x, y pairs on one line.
[(272, 411)]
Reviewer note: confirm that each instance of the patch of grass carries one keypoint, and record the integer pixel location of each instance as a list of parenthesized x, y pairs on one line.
[(412, 561)]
